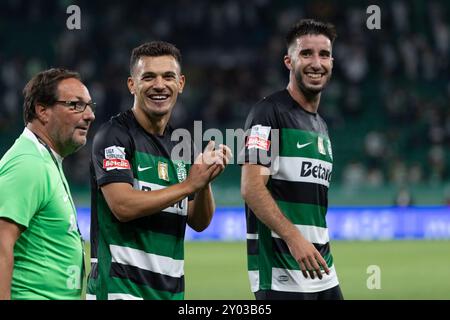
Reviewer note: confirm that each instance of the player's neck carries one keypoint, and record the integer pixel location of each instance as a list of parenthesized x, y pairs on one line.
[(43, 134), (153, 125), (309, 102)]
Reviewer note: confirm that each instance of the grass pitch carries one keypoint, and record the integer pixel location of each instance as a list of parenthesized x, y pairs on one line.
[(408, 269)]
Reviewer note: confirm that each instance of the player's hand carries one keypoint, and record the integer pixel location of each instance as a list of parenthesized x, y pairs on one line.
[(308, 257), (208, 165), (201, 171), (219, 158)]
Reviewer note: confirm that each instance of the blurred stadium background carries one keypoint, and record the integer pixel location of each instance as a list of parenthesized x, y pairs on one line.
[(387, 108)]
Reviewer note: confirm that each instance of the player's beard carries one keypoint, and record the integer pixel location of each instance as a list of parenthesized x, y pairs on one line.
[(308, 90)]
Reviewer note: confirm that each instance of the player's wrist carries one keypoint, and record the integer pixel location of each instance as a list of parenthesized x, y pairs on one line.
[(205, 188), (188, 187), (292, 236)]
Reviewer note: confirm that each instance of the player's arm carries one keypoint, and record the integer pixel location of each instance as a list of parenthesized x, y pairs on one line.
[(259, 199), (116, 182), (129, 204), (9, 233), (201, 209)]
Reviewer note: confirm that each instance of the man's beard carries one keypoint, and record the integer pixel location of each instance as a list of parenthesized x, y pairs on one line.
[(308, 91), (153, 111)]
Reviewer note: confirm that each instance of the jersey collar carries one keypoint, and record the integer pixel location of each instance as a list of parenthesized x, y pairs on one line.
[(27, 133)]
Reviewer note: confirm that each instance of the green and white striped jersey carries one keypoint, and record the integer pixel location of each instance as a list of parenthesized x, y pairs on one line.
[(143, 258), (298, 183)]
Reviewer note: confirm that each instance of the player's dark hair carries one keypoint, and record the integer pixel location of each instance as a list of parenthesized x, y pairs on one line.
[(311, 27), (42, 88), (154, 49)]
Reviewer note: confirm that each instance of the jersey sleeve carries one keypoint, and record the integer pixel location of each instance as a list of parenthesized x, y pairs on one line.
[(259, 128), (112, 151), (25, 188)]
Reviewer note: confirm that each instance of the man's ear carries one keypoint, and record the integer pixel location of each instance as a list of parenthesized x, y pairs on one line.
[(288, 62), (182, 83), (130, 84), (42, 113)]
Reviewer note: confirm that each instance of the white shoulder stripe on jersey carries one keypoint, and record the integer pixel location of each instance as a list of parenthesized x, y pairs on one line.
[(122, 296), (313, 234), (147, 261), (179, 208), (299, 169), (91, 296)]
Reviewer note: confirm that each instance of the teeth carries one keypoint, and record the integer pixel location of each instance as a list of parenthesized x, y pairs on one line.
[(158, 97), (314, 75)]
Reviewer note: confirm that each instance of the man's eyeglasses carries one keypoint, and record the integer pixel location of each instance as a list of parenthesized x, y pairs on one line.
[(79, 105)]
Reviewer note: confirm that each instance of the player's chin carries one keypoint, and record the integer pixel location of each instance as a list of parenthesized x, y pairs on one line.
[(159, 113), (316, 89), (316, 86), (159, 109)]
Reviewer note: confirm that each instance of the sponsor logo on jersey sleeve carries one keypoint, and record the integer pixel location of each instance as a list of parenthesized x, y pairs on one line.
[(259, 138), (111, 164), (115, 159), (115, 152)]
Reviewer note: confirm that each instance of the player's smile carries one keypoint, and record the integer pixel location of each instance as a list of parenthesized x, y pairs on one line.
[(159, 98), (159, 102), (315, 77)]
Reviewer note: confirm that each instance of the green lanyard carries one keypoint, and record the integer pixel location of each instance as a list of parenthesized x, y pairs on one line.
[(68, 195)]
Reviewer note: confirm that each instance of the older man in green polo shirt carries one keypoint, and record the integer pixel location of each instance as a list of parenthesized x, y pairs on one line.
[(41, 250)]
